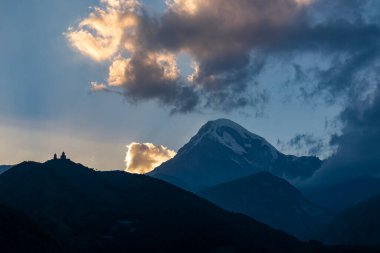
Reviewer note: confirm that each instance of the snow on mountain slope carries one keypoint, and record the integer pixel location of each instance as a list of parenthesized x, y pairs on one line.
[(222, 150), (231, 135)]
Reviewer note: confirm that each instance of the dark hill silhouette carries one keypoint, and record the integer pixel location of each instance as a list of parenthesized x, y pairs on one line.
[(18, 233), (91, 211), (271, 200), (222, 151), (358, 225)]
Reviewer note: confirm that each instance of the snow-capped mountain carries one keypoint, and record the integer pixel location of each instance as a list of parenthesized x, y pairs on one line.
[(223, 150), (233, 136)]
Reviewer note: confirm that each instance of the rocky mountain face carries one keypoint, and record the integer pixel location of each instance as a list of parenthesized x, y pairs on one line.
[(223, 151)]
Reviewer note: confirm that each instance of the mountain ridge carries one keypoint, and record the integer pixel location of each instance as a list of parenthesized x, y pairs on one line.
[(98, 211), (357, 225), (4, 168), (271, 200)]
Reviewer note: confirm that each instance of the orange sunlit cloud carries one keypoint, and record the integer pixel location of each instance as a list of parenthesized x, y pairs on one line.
[(143, 158), (99, 36), (110, 31)]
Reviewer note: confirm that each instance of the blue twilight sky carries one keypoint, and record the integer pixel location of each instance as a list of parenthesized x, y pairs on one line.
[(46, 105)]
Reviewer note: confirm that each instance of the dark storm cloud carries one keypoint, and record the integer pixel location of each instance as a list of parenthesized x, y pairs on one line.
[(352, 51), (151, 82), (358, 152), (225, 41), (230, 43), (221, 37), (353, 43)]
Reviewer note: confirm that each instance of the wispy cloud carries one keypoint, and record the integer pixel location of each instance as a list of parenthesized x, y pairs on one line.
[(307, 144)]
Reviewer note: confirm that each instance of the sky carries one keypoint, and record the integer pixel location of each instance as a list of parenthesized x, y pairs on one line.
[(90, 77)]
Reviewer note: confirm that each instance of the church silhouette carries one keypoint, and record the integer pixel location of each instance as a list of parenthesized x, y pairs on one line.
[(63, 157)]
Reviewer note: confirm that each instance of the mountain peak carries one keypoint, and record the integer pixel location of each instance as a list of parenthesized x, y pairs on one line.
[(223, 122), (231, 135), (217, 124)]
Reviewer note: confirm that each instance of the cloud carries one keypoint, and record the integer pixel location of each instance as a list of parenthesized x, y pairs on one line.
[(96, 87), (220, 37), (358, 152), (117, 32), (308, 144), (142, 158), (100, 35), (230, 44), (225, 40), (344, 37)]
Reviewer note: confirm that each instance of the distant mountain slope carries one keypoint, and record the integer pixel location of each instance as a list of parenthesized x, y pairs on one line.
[(270, 200), (343, 195), (90, 211), (359, 225), (4, 168), (18, 233), (223, 151)]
